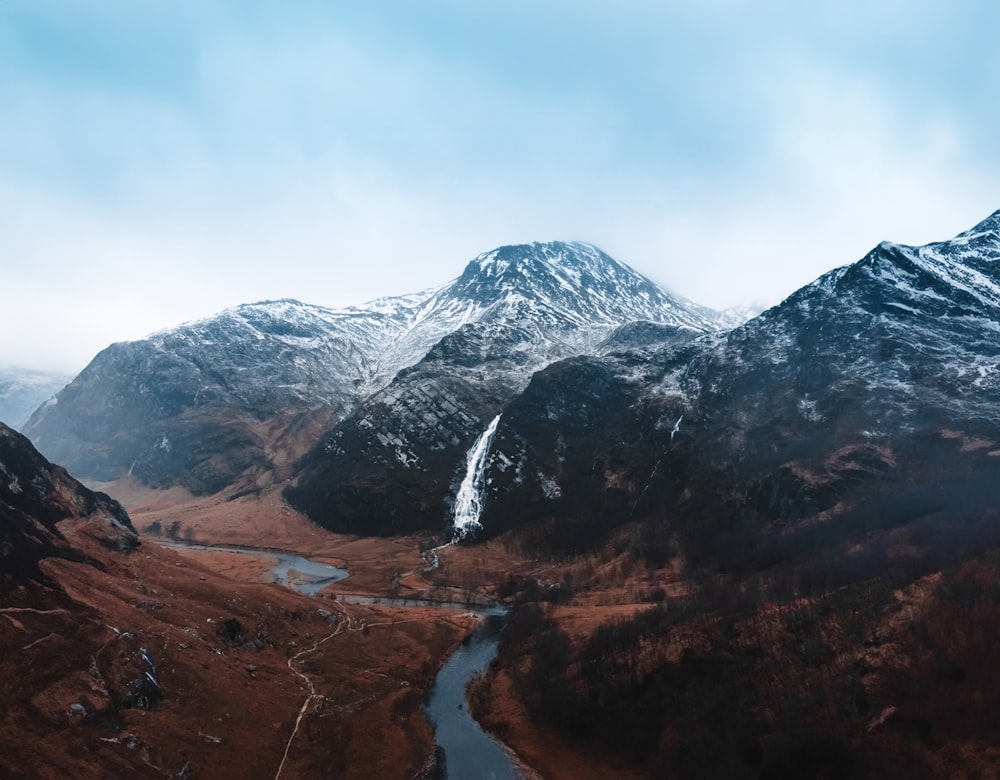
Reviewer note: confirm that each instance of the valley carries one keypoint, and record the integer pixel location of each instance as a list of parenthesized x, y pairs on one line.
[(692, 675), (228, 649), (765, 549)]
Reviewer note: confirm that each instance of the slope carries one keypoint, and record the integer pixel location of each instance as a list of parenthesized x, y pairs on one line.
[(393, 463), (234, 396), (121, 659), (862, 408)]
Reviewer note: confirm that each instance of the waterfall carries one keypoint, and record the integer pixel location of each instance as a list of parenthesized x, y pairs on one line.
[(469, 499)]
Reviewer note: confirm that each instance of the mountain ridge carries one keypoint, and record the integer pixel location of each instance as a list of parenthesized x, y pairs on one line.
[(235, 399), (867, 398)]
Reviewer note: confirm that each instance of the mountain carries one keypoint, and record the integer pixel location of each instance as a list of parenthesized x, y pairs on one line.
[(812, 499), (212, 401), (394, 462), (236, 399), (23, 390), (37, 502), (126, 660), (851, 427), (571, 293)]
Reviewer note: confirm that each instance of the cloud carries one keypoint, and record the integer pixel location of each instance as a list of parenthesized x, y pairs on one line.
[(164, 161), (847, 166)]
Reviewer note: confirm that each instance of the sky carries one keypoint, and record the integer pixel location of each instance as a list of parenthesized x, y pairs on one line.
[(161, 161)]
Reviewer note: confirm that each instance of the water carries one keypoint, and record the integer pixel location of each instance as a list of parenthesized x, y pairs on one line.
[(395, 601), (293, 571), (469, 499), (468, 750)]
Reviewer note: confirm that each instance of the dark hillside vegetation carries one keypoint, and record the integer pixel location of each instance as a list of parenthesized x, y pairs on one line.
[(876, 679)]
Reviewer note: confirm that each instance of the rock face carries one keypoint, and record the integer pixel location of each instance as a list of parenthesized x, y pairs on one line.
[(35, 498), (23, 390), (394, 463)]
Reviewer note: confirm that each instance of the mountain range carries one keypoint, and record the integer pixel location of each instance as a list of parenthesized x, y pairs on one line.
[(861, 408), (866, 396), (728, 549), (238, 398)]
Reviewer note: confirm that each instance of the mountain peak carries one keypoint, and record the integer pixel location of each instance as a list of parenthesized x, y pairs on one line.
[(536, 256), (989, 225), (574, 283)]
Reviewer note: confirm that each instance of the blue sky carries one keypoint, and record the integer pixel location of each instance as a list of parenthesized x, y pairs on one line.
[(160, 161)]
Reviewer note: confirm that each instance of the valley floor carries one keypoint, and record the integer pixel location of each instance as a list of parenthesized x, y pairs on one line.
[(608, 668), (179, 664), (393, 568)]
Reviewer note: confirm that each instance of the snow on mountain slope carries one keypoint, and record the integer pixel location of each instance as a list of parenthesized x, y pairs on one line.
[(573, 292), (226, 398), (862, 409), (203, 403), (272, 353), (906, 324), (389, 465)]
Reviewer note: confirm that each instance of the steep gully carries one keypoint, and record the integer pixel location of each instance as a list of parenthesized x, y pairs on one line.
[(466, 748)]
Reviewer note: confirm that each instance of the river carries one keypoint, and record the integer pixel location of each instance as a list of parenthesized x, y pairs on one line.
[(468, 750)]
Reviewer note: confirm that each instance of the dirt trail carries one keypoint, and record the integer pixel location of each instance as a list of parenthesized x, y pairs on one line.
[(310, 699)]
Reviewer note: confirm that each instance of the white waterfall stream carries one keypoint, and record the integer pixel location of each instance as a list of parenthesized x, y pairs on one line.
[(469, 499)]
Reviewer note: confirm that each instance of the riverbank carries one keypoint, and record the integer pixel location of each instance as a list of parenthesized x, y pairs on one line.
[(461, 743), (384, 574), (306, 575), (221, 647)]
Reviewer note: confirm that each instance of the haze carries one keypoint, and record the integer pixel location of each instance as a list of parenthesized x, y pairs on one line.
[(161, 161)]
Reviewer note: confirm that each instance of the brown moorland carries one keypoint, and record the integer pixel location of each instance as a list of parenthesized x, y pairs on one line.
[(251, 679)]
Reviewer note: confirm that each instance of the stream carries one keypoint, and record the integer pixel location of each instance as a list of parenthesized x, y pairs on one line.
[(468, 750)]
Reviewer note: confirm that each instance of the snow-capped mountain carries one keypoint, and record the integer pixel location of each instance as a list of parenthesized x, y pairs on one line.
[(395, 459), (274, 354), (244, 393), (861, 409), (202, 403), (572, 293), (22, 390)]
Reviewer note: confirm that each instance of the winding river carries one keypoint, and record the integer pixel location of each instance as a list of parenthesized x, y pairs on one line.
[(468, 750)]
